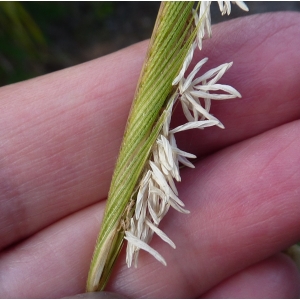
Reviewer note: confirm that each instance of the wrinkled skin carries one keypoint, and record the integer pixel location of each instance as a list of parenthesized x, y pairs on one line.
[(60, 136)]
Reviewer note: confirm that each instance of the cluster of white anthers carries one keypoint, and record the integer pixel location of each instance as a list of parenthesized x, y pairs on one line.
[(157, 190)]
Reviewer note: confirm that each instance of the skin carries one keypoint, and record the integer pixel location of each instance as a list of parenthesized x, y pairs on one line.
[(60, 135)]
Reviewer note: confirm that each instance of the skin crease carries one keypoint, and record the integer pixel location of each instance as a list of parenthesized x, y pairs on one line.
[(60, 136), (267, 273)]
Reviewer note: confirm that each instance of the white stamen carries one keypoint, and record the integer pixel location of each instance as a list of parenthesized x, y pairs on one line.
[(218, 72), (216, 87), (172, 184), (186, 83), (241, 4), (201, 94), (185, 65), (183, 153), (199, 108), (204, 18), (225, 7), (187, 112), (161, 181), (161, 234), (143, 187), (193, 125), (185, 162), (142, 245), (153, 213)]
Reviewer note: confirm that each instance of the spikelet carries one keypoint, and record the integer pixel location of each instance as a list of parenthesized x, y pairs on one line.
[(143, 185)]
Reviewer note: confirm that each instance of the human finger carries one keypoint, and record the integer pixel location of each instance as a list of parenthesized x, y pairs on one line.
[(60, 136), (244, 203), (265, 69), (61, 132), (274, 277), (244, 208)]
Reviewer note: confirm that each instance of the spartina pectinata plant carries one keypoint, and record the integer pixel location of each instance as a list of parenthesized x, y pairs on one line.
[(143, 185)]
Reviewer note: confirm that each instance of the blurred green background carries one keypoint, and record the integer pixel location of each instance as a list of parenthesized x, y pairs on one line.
[(41, 37)]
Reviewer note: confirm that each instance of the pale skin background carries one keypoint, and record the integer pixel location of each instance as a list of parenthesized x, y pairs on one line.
[(60, 135)]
